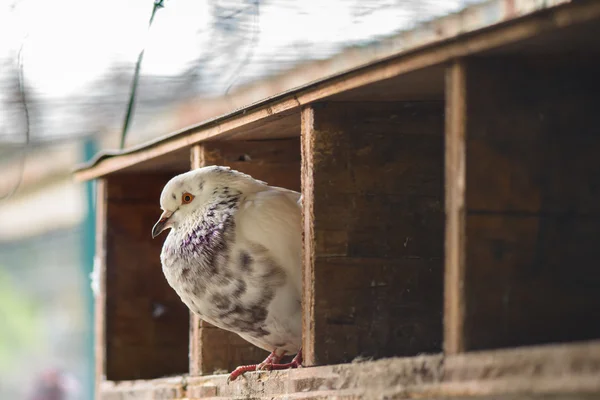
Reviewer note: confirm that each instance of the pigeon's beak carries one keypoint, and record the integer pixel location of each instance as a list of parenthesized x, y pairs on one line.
[(162, 223)]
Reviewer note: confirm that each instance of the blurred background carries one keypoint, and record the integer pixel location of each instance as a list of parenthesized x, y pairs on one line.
[(67, 70)]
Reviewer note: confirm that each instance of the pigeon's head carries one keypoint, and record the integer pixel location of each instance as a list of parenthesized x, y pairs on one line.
[(190, 191)]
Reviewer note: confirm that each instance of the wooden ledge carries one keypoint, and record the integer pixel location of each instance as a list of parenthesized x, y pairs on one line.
[(157, 389), (526, 372)]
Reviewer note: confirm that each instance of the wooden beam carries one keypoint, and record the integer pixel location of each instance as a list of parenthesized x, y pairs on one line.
[(569, 371), (197, 161), (259, 115), (454, 296), (234, 127), (197, 156), (195, 345), (100, 296), (308, 237), (157, 389)]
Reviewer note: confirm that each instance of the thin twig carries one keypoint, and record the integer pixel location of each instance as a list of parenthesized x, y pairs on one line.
[(157, 4)]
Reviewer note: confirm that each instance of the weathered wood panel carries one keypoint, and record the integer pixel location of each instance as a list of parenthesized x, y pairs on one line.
[(276, 162), (533, 200), (454, 296), (374, 225), (100, 296), (308, 236), (146, 325)]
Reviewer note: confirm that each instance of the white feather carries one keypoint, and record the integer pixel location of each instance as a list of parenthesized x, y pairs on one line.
[(272, 218)]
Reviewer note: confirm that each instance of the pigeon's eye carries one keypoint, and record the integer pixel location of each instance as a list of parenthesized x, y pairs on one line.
[(187, 198)]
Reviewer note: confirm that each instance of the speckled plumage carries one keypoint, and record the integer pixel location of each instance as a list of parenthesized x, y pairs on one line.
[(233, 255)]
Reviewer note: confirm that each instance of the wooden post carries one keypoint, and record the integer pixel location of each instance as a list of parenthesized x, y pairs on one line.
[(100, 298), (372, 184), (195, 357), (308, 237), (454, 296)]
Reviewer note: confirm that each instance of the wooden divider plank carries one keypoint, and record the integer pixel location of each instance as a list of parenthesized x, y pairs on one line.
[(308, 237), (454, 296), (100, 296)]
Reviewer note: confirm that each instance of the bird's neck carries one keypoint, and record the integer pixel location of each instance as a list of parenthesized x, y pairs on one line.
[(205, 229)]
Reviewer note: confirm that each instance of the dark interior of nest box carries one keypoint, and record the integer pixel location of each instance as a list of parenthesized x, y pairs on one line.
[(374, 241), (146, 324), (533, 201)]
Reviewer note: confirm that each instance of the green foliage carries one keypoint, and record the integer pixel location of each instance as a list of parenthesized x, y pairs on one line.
[(19, 323)]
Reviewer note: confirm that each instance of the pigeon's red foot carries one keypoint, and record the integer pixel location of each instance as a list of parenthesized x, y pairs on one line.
[(240, 371), (273, 358), (270, 363)]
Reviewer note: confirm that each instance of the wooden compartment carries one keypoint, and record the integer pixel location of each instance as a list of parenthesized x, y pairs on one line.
[(373, 229), (532, 210), (276, 162), (143, 321), (148, 332)]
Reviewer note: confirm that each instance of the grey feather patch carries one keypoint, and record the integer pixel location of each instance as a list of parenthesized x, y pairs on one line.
[(220, 301), (240, 289), (245, 261)]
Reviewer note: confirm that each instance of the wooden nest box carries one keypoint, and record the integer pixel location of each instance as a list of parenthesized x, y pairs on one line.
[(451, 223)]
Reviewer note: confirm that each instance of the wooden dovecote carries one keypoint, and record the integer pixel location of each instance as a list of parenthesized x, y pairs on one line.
[(451, 208)]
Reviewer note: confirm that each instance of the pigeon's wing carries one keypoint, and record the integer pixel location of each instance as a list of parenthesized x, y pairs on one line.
[(291, 194), (272, 219)]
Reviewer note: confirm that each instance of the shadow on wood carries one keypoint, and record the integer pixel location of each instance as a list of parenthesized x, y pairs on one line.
[(533, 202), (374, 228)]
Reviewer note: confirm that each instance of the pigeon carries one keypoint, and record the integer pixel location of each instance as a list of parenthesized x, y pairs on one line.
[(234, 256)]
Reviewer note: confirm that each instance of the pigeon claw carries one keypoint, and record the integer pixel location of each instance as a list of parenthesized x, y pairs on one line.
[(240, 371), (296, 363), (268, 364), (273, 358), (263, 366)]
